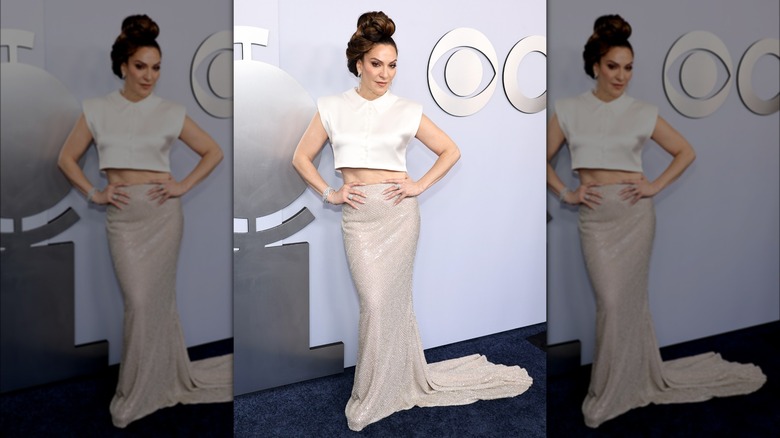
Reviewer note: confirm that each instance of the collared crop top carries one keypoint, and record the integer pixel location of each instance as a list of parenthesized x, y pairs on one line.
[(134, 135), (606, 135), (371, 134)]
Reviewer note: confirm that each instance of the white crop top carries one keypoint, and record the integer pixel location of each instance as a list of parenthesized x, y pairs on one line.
[(134, 135), (606, 135), (371, 134)]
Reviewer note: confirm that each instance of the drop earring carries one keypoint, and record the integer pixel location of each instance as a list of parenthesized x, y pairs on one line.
[(360, 79)]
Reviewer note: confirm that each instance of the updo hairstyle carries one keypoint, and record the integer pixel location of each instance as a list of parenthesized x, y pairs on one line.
[(608, 31), (372, 28), (137, 31)]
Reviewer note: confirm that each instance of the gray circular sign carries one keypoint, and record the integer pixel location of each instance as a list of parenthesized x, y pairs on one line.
[(767, 46), (37, 113), (272, 111)]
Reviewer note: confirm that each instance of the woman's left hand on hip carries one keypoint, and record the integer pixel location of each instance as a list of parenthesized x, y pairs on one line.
[(401, 188), (164, 189), (637, 189)]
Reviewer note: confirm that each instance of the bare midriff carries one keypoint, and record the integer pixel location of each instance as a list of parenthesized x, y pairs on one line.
[(606, 176), (134, 176), (369, 176)]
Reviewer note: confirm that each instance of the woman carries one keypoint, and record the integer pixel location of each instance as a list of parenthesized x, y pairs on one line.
[(369, 129), (133, 130), (606, 130)]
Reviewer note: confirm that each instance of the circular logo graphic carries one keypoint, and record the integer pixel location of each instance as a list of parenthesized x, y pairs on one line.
[(698, 74), (37, 113), (218, 47), (528, 105), (754, 103), (463, 72), (272, 111)]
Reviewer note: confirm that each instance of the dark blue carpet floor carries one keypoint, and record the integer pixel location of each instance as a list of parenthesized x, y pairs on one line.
[(315, 408), (79, 408), (754, 415)]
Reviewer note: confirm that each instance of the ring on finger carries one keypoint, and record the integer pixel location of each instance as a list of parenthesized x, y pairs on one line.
[(351, 195), (115, 197), (398, 186)]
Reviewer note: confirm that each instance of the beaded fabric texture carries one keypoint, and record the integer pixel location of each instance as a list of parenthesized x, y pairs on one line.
[(628, 372), (380, 240), (155, 371)]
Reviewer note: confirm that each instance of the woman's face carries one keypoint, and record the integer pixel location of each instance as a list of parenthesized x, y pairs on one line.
[(141, 72), (377, 69), (613, 72)]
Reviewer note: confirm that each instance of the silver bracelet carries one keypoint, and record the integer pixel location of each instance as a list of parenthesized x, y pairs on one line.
[(327, 193), (91, 193), (562, 195)]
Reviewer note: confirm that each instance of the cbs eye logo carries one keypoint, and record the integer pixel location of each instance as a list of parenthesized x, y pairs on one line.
[(216, 52), (698, 75), (464, 72)]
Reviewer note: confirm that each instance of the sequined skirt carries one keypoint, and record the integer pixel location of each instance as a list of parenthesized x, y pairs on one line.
[(380, 240), (155, 371), (627, 372)]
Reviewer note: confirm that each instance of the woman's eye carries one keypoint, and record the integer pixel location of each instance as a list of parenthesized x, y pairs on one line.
[(392, 65), (375, 64)]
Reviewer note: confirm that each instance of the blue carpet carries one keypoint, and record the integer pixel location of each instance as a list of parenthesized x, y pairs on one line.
[(752, 415), (315, 408), (79, 408)]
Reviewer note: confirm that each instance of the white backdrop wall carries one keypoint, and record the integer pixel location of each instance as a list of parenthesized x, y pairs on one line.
[(481, 258), (73, 42), (717, 249)]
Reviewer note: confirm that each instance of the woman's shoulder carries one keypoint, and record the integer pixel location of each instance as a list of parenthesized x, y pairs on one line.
[(168, 105), (95, 107), (639, 109), (572, 103), (331, 102), (407, 102), (641, 105), (408, 108), (101, 100), (568, 107), (334, 98)]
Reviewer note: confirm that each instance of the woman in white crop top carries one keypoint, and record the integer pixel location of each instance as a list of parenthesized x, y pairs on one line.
[(369, 129), (605, 130), (133, 131)]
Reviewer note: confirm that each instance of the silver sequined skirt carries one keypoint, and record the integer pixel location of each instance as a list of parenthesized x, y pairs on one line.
[(627, 372), (155, 371), (391, 374)]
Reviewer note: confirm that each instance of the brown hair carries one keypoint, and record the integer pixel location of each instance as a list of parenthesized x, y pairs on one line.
[(372, 28), (137, 31), (608, 31)]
